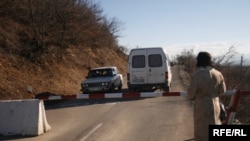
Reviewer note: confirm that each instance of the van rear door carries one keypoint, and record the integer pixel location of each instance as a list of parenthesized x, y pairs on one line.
[(156, 66), (138, 71)]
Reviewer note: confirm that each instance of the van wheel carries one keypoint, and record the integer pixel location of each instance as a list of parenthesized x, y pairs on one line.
[(131, 89), (166, 89)]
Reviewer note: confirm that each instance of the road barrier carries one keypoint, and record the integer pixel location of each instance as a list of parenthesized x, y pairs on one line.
[(120, 95), (231, 108), (23, 117)]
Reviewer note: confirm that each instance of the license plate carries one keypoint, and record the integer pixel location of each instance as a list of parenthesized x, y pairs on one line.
[(95, 89), (138, 80)]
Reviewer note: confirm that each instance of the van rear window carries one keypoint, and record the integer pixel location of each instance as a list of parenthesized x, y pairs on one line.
[(154, 60), (138, 61)]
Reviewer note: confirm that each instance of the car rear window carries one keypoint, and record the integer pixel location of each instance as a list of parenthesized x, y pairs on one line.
[(154, 60), (138, 61)]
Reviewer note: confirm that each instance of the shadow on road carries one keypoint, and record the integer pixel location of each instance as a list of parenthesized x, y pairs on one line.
[(57, 104), (189, 140)]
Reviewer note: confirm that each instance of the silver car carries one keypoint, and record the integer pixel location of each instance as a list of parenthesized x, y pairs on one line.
[(102, 79)]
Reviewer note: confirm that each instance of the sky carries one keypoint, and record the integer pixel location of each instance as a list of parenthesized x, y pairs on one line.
[(177, 25)]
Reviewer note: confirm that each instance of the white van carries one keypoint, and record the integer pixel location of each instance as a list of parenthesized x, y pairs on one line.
[(149, 68)]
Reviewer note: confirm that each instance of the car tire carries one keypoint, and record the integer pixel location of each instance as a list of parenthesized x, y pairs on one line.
[(120, 86), (112, 88)]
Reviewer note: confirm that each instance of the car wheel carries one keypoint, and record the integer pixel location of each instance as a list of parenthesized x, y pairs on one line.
[(120, 87), (112, 88)]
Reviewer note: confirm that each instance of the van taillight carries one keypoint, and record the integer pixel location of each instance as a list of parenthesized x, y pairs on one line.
[(128, 77), (166, 75)]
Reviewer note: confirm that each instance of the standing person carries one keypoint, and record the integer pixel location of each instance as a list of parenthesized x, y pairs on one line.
[(207, 84)]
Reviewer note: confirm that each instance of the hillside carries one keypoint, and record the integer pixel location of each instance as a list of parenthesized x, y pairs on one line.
[(50, 45), (58, 75)]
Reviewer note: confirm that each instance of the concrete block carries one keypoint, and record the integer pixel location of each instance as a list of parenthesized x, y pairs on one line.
[(23, 117)]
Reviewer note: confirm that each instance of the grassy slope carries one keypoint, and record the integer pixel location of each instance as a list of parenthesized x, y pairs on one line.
[(58, 75)]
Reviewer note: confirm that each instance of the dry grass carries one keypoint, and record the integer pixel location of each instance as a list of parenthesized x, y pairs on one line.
[(54, 59), (57, 76)]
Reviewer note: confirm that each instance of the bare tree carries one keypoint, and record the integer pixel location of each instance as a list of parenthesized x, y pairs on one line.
[(227, 58), (187, 59), (51, 26)]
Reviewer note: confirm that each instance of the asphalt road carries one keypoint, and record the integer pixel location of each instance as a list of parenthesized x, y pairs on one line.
[(145, 119)]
